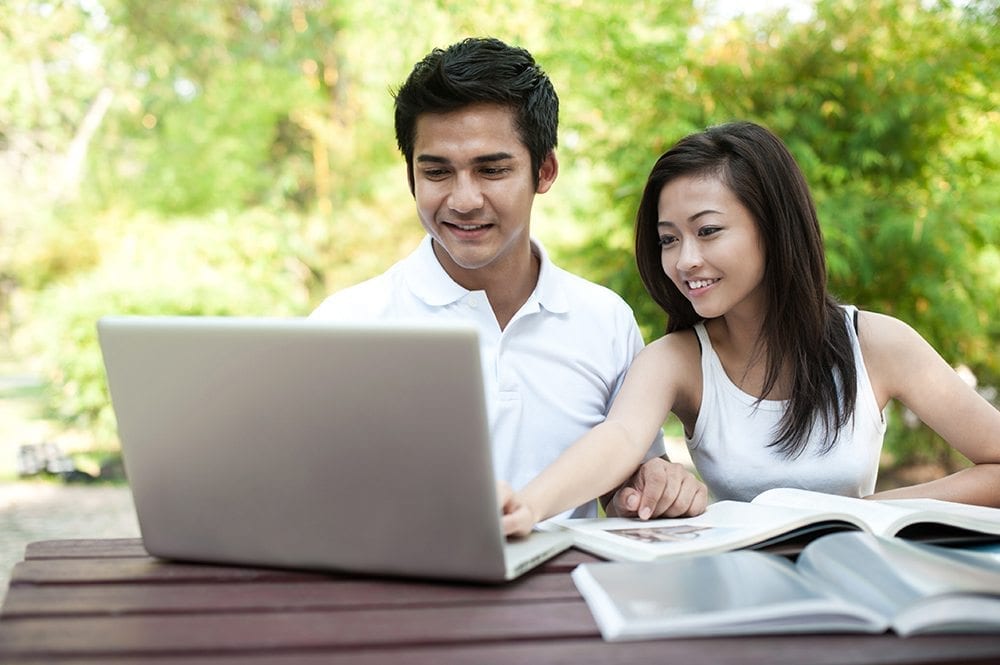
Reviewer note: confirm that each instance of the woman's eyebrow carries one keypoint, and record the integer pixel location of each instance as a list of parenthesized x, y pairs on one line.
[(692, 218)]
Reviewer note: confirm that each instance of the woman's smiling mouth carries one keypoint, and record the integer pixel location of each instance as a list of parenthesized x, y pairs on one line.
[(696, 284)]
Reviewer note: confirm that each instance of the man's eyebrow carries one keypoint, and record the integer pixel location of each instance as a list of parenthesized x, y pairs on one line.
[(480, 159), (494, 157)]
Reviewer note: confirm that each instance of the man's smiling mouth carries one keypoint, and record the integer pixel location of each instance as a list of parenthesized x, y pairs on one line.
[(467, 228)]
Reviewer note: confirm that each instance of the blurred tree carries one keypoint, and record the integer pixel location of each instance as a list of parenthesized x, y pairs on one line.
[(228, 105), (891, 108), (627, 89), (268, 124), (54, 96)]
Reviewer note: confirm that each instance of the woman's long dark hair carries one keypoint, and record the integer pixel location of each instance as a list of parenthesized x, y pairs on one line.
[(803, 327)]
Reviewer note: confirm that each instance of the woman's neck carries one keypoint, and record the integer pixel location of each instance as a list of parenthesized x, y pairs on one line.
[(743, 352)]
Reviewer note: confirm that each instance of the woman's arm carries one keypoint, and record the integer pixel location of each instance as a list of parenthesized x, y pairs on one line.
[(903, 366), (608, 454)]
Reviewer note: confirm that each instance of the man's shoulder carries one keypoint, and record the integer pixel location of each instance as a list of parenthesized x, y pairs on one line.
[(369, 298)]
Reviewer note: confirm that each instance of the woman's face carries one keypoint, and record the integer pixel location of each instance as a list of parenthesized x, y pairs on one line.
[(711, 248)]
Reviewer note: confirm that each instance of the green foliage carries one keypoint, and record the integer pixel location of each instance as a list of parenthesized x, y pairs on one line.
[(879, 101), (220, 265), (57, 247), (238, 157), (625, 95), (888, 107)]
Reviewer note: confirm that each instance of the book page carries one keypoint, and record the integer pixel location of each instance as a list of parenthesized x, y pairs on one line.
[(881, 517), (977, 518), (903, 579), (920, 519), (725, 525), (723, 594), (951, 614), (853, 565)]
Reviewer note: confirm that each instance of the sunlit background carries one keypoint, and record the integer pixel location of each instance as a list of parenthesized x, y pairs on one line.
[(237, 158)]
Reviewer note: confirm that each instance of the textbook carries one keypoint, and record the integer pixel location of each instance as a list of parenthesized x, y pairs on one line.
[(844, 582), (782, 520)]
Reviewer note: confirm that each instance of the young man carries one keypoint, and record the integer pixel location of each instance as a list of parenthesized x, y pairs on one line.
[(477, 124)]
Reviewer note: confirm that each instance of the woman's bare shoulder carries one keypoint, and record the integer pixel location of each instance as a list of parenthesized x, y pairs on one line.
[(681, 345), (676, 359), (883, 334)]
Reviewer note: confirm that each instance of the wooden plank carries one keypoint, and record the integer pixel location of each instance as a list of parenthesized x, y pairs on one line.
[(146, 569), (151, 571), (85, 548), (89, 602), (222, 633), (790, 650), (132, 548), (73, 570), (24, 601), (566, 561)]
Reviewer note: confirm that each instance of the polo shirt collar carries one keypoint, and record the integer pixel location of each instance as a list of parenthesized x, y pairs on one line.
[(428, 280), (549, 291)]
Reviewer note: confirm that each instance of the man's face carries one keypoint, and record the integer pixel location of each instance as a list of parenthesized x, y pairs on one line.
[(474, 189)]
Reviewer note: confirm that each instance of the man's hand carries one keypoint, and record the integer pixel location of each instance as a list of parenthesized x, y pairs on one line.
[(518, 519), (659, 488)]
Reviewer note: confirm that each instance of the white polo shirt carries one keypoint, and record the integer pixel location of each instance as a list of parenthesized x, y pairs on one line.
[(550, 375)]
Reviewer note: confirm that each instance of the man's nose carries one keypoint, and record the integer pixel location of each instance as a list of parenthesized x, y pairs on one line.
[(466, 195)]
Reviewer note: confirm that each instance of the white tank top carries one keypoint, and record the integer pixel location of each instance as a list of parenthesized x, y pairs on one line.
[(729, 443)]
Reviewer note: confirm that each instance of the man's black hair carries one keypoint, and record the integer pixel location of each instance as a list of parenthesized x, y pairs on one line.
[(480, 70)]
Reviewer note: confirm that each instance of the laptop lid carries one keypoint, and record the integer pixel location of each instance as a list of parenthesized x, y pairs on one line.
[(310, 444)]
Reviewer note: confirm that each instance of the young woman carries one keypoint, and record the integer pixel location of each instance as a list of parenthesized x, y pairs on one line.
[(776, 383)]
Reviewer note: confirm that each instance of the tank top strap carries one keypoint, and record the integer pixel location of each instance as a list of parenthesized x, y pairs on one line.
[(703, 340)]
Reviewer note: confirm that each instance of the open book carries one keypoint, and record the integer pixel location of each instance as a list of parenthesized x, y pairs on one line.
[(783, 520), (844, 582)]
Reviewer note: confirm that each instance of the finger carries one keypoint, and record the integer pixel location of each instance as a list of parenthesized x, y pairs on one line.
[(504, 495), (517, 522), (625, 503), (679, 488), (653, 486), (700, 503), (510, 524), (691, 499)]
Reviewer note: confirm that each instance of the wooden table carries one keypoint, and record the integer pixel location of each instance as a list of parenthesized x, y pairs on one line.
[(107, 601)]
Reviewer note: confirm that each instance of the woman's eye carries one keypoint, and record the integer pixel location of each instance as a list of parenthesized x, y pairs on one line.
[(666, 241), (708, 230)]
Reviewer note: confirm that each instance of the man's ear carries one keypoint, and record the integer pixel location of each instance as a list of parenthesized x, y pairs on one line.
[(547, 172)]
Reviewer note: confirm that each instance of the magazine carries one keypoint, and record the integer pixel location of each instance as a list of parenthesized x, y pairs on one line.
[(844, 582), (782, 520)]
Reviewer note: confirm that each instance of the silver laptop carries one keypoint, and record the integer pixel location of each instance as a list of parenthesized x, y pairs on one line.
[(307, 444)]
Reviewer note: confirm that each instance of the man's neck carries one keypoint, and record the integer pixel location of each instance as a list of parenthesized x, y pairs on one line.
[(508, 282), (507, 296)]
